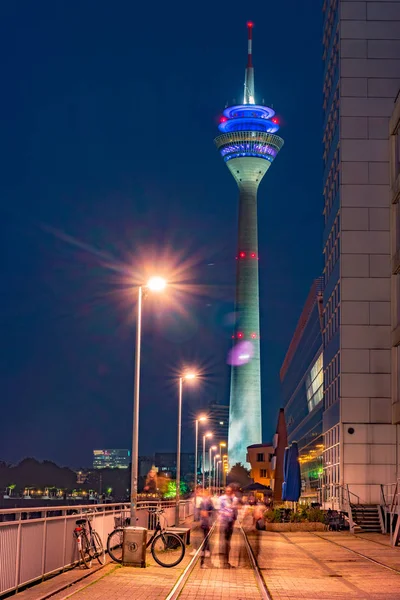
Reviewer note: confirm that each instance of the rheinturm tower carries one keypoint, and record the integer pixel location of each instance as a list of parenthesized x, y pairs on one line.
[(248, 145)]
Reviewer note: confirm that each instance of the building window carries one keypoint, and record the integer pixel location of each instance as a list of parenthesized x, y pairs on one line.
[(260, 457), (263, 472), (314, 384)]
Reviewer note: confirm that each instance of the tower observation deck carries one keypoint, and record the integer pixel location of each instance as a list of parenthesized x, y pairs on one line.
[(248, 144)]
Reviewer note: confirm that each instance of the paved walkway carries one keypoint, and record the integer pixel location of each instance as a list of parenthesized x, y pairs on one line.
[(307, 566), (295, 566), (214, 582)]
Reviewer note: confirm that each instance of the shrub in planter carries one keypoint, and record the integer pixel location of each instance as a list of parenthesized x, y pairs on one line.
[(316, 515), (297, 517), (272, 516)]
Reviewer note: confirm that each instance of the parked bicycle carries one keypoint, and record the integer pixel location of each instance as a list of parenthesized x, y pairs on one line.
[(89, 543), (167, 548)]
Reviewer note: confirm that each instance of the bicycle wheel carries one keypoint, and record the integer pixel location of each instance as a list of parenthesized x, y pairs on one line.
[(84, 550), (168, 549), (114, 545), (97, 548)]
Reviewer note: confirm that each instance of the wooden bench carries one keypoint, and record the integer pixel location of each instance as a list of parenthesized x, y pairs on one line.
[(183, 532)]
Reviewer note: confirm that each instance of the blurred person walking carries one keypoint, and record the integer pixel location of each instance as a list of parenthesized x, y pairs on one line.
[(206, 510), (228, 512)]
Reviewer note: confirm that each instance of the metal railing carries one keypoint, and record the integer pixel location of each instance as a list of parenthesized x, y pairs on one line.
[(37, 542), (390, 503)]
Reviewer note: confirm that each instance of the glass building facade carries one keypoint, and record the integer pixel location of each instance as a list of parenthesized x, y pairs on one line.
[(303, 390), (111, 459)]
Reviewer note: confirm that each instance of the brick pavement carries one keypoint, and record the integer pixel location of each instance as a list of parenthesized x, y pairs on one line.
[(213, 582), (295, 566), (304, 566)]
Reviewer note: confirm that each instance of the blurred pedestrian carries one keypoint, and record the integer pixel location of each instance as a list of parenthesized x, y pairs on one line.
[(198, 496), (206, 509), (228, 511)]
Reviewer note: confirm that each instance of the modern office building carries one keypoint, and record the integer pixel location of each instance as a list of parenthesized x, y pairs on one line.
[(165, 462), (260, 456), (361, 57), (248, 145), (394, 148), (111, 459), (218, 422), (303, 393)]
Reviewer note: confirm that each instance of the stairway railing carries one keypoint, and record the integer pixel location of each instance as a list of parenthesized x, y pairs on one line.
[(345, 500)]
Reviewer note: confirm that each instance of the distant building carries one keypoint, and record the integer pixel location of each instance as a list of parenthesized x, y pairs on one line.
[(165, 462), (111, 459), (260, 458), (145, 464), (303, 392), (218, 422)]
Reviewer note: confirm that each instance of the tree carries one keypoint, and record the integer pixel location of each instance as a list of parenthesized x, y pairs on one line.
[(239, 474)]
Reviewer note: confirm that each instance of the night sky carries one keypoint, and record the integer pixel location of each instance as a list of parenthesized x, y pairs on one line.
[(108, 114)]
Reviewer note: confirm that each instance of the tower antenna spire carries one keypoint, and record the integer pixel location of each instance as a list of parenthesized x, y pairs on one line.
[(249, 76)]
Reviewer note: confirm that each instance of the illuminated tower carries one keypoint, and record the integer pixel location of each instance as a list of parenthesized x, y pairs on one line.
[(248, 145)]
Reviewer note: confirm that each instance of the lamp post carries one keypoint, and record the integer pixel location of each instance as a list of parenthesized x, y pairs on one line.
[(221, 445), (225, 468), (206, 435), (155, 284), (210, 451), (196, 450), (215, 472), (178, 447), (218, 474)]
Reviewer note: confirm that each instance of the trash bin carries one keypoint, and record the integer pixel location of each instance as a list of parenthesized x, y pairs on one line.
[(134, 546)]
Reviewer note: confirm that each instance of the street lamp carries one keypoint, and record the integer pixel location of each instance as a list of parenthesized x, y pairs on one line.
[(215, 473), (221, 445), (206, 435), (225, 468), (154, 284), (218, 477), (210, 451), (187, 376), (198, 420)]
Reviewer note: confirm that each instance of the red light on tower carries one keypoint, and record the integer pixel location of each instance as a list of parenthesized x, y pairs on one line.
[(253, 255), (254, 335), (242, 254), (223, 119), (275, 120), (240, 334), (250, 24)]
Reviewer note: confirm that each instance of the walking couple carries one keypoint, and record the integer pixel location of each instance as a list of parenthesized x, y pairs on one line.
[(227, 516)]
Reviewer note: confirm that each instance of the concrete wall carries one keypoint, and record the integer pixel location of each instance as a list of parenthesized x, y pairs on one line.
[(369, 82)]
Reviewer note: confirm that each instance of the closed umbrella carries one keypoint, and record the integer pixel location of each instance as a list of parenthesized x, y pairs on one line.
[(291, 488), (285, 473), (294, 477)]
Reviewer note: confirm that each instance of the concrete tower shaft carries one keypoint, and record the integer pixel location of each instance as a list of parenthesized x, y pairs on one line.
[(248, 145)]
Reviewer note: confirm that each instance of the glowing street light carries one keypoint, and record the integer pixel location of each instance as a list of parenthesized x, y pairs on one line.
[(187, 376), (154, 284)]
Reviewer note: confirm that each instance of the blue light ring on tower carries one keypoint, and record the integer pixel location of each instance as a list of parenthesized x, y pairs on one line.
[(246, 110), (248, 124), (257, 144), (249, 117)]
